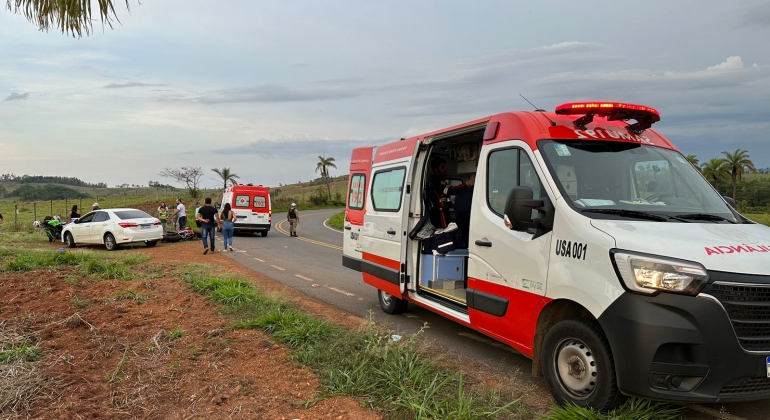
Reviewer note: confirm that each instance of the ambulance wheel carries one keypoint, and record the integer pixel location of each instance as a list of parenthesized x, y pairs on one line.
[(391, 304), (578, 366), (69, 240)]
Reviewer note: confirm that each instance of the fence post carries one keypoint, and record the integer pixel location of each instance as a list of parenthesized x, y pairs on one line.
[(65, 207), (51, 209), (34, 209), (16, 216)]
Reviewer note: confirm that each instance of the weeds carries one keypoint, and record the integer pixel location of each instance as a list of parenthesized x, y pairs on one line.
[(633, 409), (176, 334), (117, 375), (85, 262), (132, 295), (397, 377)]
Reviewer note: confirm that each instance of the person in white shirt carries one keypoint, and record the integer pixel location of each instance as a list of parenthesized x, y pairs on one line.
[(182, 212)]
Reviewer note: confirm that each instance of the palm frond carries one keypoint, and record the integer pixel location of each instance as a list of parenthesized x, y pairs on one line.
[(71, 17)]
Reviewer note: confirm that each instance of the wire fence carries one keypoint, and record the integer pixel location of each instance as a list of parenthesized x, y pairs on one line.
[(22, 214)]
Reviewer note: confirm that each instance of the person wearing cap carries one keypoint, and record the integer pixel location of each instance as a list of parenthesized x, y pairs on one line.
[(293, 218), (95, 206)]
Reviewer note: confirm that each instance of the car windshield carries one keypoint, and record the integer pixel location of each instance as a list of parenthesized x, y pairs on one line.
[(132, 214), (618, 178)]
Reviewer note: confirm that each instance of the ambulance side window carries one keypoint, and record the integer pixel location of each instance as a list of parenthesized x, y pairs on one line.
[(356, 194), (387, 187), (508, 168)]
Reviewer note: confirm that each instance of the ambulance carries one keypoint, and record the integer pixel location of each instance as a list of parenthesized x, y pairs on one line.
[(593, 247), (251, 204)]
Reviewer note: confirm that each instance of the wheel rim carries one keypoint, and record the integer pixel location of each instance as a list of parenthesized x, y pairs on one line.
[(387, 298), (575, 368), (68, 238), (109, 242)]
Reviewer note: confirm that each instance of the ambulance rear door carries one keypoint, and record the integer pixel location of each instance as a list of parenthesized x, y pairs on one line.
[(360, 171), (384, 236)]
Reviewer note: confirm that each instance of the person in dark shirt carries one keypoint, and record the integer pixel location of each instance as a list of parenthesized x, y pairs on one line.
[(463, 201), (1, 218), (209, 219), (438, 191)]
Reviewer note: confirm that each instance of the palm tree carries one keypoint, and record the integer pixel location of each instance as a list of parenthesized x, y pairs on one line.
[(715, 170), (71, 16), (226, 176), (323, 165), (738, 163), (694, 161)]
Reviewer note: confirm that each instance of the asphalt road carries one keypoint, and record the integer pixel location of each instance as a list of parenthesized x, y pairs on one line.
[(312, 263)]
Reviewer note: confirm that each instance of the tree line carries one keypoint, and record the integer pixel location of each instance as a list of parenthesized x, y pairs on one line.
[(726, 174), (191, 176), (40, 179)]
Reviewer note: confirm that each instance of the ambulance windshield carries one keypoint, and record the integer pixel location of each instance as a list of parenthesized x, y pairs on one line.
[(627, 179)]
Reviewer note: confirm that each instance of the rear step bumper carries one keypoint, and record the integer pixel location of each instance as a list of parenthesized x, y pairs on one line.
[(351, 263)]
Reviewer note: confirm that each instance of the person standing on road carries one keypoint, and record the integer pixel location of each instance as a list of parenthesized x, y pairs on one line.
[(181, 212), (293, 218), (163, 216), (195, 215), (209, 219), (228, 227)]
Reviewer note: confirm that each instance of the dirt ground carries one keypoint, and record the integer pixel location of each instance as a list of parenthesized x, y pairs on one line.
[(153, 349)]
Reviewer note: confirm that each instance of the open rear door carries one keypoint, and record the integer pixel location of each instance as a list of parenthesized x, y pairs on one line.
[(355, 207), (384, 236)]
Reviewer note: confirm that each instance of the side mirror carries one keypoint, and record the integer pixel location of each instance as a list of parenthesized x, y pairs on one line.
[(730, 201), (518, 209)]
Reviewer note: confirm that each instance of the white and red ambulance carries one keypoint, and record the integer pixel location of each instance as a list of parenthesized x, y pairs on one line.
[(594, 247), (252, 206)]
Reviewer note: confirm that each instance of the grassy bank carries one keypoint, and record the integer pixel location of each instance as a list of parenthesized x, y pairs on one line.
[(760, 218), (337, 221)]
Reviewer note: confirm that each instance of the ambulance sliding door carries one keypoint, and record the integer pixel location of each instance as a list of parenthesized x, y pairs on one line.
[(384, 232)]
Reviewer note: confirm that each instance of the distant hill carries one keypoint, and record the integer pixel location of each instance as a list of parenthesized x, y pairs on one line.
[(40, 179)]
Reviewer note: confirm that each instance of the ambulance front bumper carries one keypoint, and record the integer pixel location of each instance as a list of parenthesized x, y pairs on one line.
[(711, 348)]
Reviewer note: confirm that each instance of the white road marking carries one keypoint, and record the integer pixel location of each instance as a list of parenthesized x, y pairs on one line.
[(331, 228), (303, 277), (277, 268), (487, 341), (716, 413), (341, 291), (259, 260)]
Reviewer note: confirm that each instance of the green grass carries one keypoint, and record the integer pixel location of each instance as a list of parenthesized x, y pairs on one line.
[(176, 334), (760, 218), (23, 352), (337, 221), (397, 378), (86, 263), (633, 409)]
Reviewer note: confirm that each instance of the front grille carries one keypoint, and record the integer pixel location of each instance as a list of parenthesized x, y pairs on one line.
[(748, 307), (741, 386)]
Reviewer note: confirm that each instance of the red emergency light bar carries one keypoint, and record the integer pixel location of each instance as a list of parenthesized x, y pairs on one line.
[(614, 111)]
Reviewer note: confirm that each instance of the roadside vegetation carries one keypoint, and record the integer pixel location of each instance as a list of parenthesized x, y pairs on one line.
[(337, 221)]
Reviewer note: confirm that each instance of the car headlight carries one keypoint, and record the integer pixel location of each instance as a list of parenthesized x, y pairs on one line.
[(649, 275)]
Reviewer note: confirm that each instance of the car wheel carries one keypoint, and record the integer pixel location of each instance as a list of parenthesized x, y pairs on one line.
[(69, 240), (391, 304), (151, 243), (110, 243), (578, 366), (263, 233)]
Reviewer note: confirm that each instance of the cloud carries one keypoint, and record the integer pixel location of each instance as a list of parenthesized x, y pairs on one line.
[(17, 96), (733, 62), (278, 93), (128, 85), (300, 146)]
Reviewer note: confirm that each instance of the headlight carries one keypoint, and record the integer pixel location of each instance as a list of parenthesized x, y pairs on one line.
[(644, 274)]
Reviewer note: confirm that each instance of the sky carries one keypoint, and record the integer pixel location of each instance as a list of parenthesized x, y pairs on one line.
[(265, 87)]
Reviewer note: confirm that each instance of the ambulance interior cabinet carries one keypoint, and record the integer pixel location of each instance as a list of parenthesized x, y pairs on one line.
[(443, 271)]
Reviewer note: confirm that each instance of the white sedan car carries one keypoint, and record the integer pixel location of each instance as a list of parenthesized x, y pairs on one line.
[(113, 227)]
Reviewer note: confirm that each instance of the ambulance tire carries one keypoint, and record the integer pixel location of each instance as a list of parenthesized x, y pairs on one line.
[(580, 344), (263, 233), (391, 304)]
